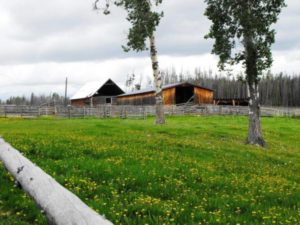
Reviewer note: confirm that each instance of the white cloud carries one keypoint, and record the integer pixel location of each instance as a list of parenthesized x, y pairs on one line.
[(42, 42), (287, 62), (45, 78)]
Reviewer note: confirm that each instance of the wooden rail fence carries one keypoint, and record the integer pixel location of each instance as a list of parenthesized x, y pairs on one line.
[(139, 112)]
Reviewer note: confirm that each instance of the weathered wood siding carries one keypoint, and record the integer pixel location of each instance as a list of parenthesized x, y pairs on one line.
[(147, 98), (169, 96), (99, 100), (79, 102), (139, 99), (203, 96)]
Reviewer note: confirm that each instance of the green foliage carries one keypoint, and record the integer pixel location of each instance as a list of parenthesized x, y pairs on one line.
[(143, 20), (240, 22), (192, 170)]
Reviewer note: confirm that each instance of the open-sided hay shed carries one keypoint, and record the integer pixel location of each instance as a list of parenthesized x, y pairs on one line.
[(173, 94), (96, 93)]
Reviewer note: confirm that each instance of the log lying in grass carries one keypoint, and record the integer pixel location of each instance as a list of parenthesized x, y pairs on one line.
[(60, 206)]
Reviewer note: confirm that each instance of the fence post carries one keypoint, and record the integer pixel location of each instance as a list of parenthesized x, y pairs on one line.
[(69, 111), (121, 108), (144, 113)]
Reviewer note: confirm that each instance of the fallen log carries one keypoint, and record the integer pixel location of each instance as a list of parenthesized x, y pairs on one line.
[(60, 206)]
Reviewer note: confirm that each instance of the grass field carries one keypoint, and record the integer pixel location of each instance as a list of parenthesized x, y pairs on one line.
[(194, 170)]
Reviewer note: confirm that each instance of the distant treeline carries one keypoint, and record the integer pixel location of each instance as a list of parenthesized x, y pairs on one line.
[(275, 89), (37, 100)]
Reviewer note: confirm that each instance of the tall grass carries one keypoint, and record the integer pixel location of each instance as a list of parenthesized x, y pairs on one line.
[(194, 170)]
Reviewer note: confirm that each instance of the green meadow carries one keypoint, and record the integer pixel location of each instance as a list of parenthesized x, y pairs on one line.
[(193, 170)]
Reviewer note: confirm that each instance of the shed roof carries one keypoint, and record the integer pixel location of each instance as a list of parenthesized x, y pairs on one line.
[(148, 90), (89, 89)]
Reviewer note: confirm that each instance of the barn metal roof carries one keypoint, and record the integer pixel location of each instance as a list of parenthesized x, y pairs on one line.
[(147, 90), (90, 89)]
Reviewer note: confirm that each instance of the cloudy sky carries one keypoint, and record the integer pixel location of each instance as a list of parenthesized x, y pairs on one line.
[(42, 42)]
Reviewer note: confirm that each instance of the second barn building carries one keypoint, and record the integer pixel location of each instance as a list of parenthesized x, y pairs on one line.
[(97, 93), (173, 94)]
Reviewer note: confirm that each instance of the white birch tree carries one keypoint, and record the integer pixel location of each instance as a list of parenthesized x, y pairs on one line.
[(144, 21)]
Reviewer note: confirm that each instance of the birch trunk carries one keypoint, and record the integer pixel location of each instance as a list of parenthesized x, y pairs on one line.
[(254, 130), (60, 206), (159, 107)]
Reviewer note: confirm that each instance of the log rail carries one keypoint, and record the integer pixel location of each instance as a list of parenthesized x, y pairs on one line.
[(60, 206)]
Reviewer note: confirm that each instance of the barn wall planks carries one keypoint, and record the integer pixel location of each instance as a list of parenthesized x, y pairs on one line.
[(79, 102), (177, 94), (93, 101), (101, 100), (203, 96), (139, 99), (169, 96), (148, 98)]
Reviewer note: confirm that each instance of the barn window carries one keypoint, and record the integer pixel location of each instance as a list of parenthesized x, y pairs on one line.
[(108, 100)]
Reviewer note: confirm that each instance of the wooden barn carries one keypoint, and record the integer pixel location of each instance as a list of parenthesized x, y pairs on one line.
[(173, 94), (96, 93)]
